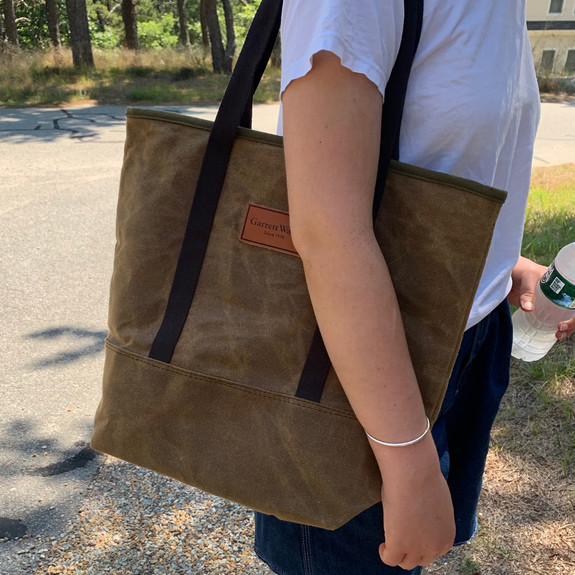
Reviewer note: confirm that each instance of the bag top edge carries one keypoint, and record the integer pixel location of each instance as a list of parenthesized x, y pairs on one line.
[(410, 170), (177, 118), (458, 182)]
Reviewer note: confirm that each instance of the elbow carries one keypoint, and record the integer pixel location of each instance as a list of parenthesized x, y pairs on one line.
[(321, 236)]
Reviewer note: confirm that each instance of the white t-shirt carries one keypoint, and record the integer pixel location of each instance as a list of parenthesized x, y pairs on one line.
[(472, 105)]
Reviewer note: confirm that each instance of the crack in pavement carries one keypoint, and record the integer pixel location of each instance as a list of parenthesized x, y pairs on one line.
[(77, 132)]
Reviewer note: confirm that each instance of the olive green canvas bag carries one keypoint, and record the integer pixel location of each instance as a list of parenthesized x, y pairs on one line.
[(215, 372)]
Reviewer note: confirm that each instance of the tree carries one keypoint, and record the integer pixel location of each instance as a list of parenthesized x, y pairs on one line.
[(183, 21), (231, 45), (276, 57), (204, 24), (79, 34), (130, 25), (222, 58), (53, 25), (10, 28)]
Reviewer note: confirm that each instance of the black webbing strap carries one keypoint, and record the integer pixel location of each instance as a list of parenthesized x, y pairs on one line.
[(317, 366), (234, 110)]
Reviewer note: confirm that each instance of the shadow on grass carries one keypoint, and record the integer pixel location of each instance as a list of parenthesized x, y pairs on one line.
[(56, 86)]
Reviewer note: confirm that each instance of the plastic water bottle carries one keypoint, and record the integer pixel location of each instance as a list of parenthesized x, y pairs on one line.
[(534, 332)]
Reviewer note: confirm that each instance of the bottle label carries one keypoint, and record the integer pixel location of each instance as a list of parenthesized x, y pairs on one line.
[(558, 289)]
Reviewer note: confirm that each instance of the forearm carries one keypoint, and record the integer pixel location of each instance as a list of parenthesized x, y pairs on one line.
[(357, 311)]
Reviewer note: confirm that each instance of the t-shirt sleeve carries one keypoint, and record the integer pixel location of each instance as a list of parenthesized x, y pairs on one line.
[(364, 34)]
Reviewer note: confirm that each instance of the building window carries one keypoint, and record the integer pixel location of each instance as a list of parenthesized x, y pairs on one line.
[(556, 7), (570, 62), (547, 60)]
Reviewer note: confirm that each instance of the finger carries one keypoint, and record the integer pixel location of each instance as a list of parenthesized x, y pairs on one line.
[(566, 329), (390, 557), (409, 564)]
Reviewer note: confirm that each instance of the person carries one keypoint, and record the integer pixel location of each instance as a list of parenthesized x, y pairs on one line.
[(471, 110)]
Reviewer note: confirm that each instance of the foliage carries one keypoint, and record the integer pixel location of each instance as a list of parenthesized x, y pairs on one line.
[(244, 15), (157, 22), (158, 33), (32, 23)]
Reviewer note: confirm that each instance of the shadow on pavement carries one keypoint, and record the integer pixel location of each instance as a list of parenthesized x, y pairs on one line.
[(19, 126), (87, 342), (23, 125)]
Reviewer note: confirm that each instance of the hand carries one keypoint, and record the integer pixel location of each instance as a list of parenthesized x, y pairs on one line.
[(525, 275), (418, 514)]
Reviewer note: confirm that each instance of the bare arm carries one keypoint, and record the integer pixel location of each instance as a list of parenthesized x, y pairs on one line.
[(332, 120)]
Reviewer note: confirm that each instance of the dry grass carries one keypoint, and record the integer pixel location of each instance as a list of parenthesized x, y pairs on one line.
[(120, 77), (527, 508)]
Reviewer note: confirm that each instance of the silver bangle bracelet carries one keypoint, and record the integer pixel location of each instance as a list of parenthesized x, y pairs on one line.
[(404, 443)]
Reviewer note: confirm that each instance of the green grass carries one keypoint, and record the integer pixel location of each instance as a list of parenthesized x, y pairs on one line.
[(470, 567), (550, 218), (549, 383), (120, 77)]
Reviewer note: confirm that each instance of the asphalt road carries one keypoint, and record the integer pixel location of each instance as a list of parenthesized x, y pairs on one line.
[(59, 172)]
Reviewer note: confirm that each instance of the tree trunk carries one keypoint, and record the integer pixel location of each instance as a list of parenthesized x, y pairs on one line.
[(276, 58), (130, 25), (230, 51), (80, 34), (102, 22), (183, 20), (204, 24), (215, 33), (53, 26), (10, 28), (222, 58)]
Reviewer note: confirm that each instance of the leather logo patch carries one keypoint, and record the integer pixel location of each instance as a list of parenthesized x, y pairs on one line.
[(268, 228)]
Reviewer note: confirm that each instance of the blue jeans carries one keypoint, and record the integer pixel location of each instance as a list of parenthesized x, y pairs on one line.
[(461, 433)]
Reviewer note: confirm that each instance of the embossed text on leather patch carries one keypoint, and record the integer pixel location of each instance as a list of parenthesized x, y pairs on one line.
[(268, 228)]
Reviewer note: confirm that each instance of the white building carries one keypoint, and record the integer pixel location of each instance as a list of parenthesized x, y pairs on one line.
[(551, 25)]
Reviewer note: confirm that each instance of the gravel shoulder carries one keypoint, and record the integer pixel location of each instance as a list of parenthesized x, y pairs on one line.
[(136, 522)]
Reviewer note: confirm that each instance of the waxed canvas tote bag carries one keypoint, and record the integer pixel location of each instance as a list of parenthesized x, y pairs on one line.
[(215, 372)]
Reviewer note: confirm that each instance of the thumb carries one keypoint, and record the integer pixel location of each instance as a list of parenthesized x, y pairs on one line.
[(527, 301), (527, 293)]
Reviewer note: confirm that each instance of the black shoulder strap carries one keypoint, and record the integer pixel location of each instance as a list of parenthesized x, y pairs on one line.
[(235, 110)]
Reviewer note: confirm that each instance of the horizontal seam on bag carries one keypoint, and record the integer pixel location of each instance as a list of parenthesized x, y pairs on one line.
[(237, 386)]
